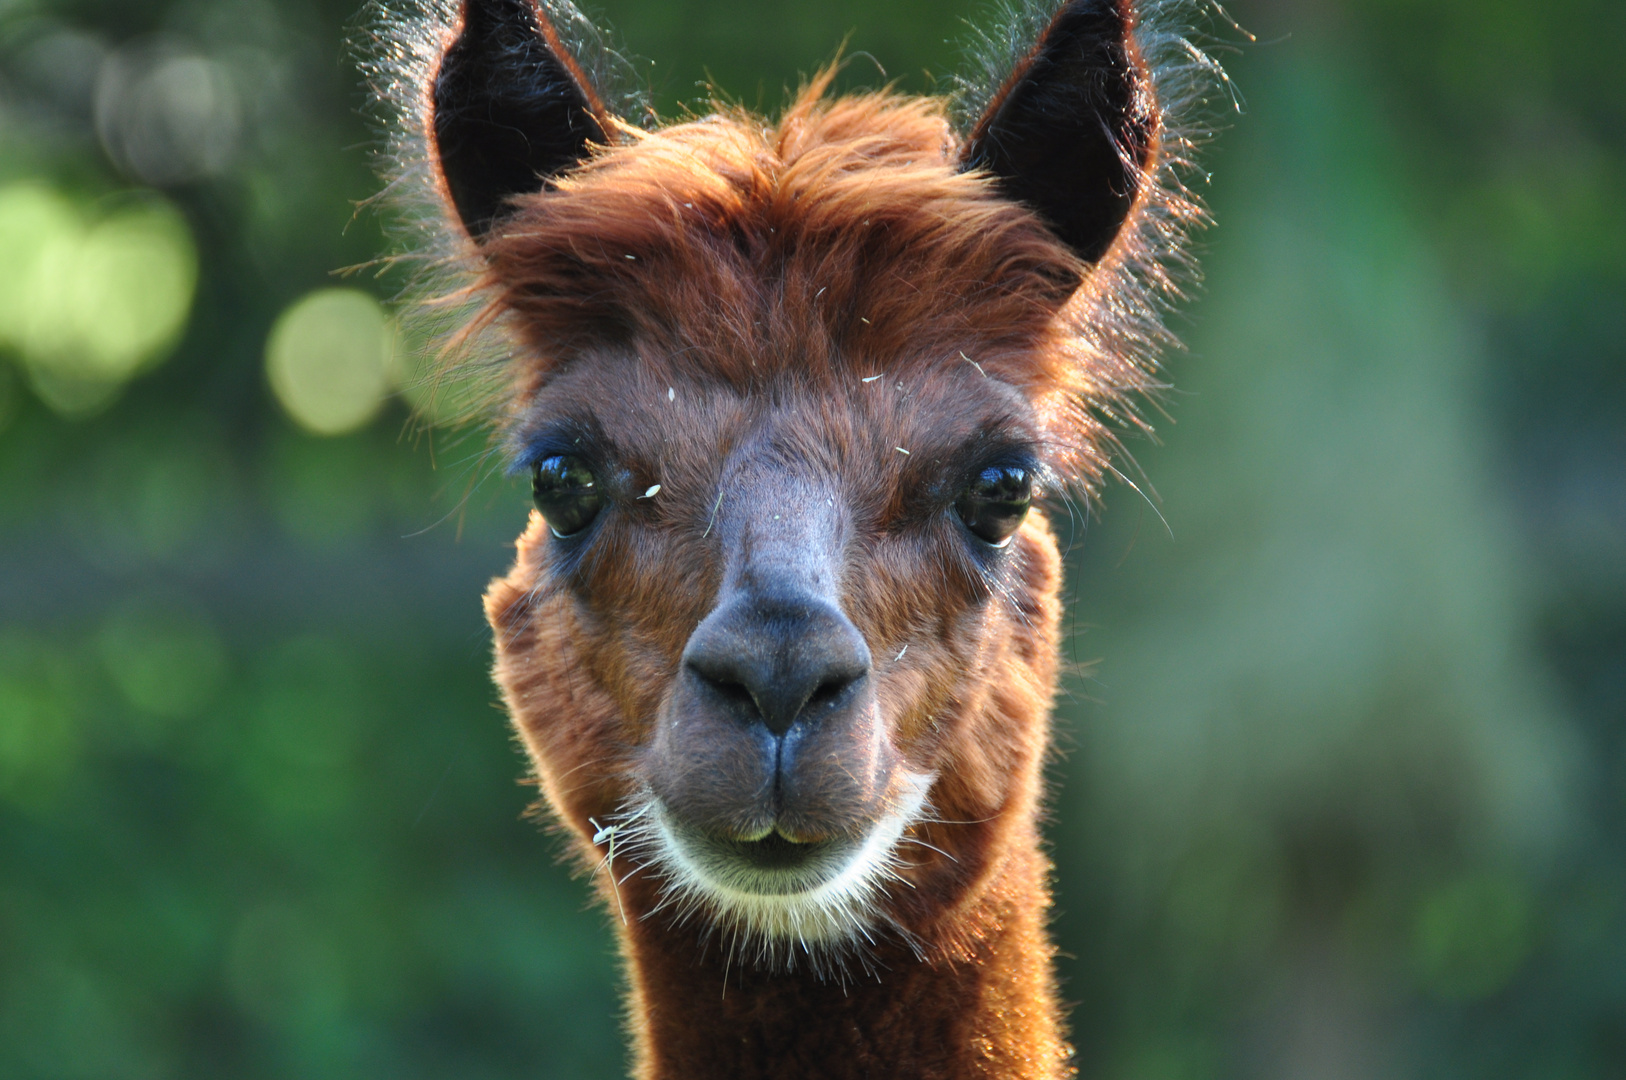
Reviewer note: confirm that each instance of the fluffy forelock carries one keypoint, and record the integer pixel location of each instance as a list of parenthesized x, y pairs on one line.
[(842, 237), (841, 241)]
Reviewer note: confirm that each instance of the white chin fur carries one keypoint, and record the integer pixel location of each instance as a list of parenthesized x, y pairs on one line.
[(823, 911)]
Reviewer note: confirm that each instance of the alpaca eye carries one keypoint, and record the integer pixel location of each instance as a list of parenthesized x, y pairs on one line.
[(566, 492), (996, 502)]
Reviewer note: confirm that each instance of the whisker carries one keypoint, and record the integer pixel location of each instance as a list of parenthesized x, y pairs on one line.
[(1143, 495), (931, 847)]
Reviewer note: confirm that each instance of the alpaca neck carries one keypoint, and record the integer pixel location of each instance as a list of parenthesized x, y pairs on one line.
[(985, 1008)]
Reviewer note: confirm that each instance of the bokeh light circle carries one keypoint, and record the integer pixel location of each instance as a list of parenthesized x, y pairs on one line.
[(163, 654), (89, 302), (165, 115), (33, 219), (131, 287), (328, 359)]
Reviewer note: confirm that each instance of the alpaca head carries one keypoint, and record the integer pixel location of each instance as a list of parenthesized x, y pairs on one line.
[(783, 627)]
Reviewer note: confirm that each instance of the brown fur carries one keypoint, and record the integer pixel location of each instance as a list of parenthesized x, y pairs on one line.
[(788, 238), (972, 696), (734, 233), (709, 305)]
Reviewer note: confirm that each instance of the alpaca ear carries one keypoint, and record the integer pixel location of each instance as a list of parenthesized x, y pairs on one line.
[(1071, 131), (511, 110)]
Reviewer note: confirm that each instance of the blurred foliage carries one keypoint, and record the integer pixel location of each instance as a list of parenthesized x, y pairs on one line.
[(1340, 790)]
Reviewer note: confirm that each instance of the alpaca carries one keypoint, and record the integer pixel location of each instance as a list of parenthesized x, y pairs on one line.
[(781, 637)]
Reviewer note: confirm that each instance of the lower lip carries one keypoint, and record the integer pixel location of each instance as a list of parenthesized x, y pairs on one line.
[(806, 872)]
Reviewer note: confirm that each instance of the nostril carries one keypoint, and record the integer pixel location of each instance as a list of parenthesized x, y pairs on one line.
[(736, 692), (831, 690), (728, 688), (722, 678)]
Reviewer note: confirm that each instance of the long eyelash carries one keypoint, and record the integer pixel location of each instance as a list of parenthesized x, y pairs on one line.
[(567, 436)]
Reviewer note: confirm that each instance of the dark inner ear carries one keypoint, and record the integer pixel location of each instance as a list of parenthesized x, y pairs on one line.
[(1070, 131), (511, 109)]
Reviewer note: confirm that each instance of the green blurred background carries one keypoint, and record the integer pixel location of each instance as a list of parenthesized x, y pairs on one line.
[(1340, 790)]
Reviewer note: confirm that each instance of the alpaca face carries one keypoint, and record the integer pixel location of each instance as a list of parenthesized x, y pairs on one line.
[(784, 624), (794, 635)]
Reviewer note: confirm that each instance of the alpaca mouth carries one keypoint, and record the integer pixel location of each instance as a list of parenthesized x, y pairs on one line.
[(775, 852), (771, 866), (777, 889)]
